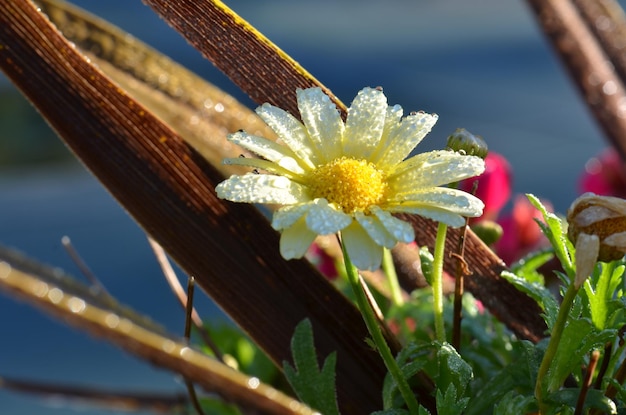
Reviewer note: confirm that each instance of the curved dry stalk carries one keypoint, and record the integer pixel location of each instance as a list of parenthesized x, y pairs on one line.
[(61, 298), (587, 58), (119, 401)]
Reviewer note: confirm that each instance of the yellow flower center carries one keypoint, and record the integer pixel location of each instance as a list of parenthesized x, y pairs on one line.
[(353, 185)]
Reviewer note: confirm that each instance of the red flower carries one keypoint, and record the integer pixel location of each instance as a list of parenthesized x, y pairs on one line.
[(494, 185), (604, 175), (520, 235)]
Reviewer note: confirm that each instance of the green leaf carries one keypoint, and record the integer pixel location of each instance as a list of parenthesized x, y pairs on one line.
[(578, 339), (600, 291), (517, 377), (314, 387), (528, 265), (453, 370), (568, 397), (554, 230), (537, 292), (449, 403), (512, 403), (426, 259)]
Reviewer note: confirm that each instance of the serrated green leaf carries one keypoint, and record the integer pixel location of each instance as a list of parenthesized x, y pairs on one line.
[(539, 293), (449, 403), (314, 387), (554, 230), (578, 339)]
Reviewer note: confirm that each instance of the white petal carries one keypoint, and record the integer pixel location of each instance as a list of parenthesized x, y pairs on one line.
[(375, 230), (364, 253), (269, 150), (617, 240), (402, 139), (439, 198), (365, 123), (437, 214), (392, 121), (287, 216), (434, 168), (324, 219), (323, 122), (291, 132), (587, 249), (295, 241), (402, 231), (261, 188)]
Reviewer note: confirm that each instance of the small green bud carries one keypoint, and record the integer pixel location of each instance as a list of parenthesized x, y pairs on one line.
[(465, 142), (488, 231)]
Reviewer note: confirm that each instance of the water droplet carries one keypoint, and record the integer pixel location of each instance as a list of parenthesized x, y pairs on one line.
[(40, 289), (168, 346), (112, 320), (55, 295), (609, 88), (76, 305), (253, 383), (186, 353), (5, 270), (219, 107)]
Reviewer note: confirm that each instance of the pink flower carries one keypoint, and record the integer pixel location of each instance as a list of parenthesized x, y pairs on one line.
[(322, 261), (604, 175), (494, 185), (521, 235)]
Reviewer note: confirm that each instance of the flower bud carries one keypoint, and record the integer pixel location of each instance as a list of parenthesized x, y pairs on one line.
[(467, 143), (603, 216)]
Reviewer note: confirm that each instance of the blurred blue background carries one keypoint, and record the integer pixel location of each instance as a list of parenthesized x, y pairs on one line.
[(480, 64)]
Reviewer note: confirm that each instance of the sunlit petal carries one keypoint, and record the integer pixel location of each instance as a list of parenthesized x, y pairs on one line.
[(363, 251), (323, 122), (269, 150), (365, 123), (375, 230), (399, 229), (435, 168), (325, 219), (261, 188), (295, 240), (405, 137), (287, 216), (291, 132)]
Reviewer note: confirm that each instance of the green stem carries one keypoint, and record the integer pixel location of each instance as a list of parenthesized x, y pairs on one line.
[(392, 278), (437, 281), (377, 336), (555, 338)]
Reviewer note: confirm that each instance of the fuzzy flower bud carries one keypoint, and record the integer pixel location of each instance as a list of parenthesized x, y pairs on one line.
[(603, 216), (467, 143)]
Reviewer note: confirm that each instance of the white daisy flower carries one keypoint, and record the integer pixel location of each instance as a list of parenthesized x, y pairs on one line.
[(349, 178)]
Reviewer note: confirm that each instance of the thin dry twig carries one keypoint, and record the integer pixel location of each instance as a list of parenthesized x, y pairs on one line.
[(83, 267), (177, 288)]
